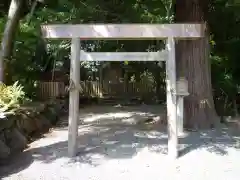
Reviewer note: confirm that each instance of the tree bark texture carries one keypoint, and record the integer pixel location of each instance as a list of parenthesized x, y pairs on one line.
[(9, 33), (192, 61)]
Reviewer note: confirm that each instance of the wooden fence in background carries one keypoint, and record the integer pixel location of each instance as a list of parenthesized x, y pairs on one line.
[(51, 90), (97, 89)]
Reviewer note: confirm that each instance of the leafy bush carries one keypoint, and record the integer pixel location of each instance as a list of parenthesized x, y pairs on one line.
[(10, 98)]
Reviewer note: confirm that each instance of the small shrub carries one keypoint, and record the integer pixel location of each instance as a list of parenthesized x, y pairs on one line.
[(10, 98)]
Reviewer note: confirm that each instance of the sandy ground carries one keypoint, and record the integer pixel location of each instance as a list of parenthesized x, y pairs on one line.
[(111, 147)]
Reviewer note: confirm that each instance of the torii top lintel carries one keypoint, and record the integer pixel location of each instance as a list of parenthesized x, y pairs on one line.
[(123, 31)]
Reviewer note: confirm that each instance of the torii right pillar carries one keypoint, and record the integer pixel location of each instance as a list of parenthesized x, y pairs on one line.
[(171, 99)]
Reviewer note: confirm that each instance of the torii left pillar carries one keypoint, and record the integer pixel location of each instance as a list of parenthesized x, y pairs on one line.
[(74, 97)]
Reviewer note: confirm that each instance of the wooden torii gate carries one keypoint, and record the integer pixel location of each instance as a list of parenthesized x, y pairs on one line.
[(168, 32)]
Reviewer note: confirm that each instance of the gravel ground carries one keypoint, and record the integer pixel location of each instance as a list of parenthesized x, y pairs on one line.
[(111, 147)]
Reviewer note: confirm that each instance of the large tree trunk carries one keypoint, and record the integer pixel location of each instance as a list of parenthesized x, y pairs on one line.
[(9, 32), (192, 60)]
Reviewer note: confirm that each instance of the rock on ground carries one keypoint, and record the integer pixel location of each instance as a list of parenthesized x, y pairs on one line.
[(4, 150), (15, 140)]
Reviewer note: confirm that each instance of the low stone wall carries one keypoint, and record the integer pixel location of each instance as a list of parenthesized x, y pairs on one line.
[(30, 121)]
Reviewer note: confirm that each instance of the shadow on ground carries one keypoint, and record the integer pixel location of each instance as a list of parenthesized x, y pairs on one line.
[(99, 141)]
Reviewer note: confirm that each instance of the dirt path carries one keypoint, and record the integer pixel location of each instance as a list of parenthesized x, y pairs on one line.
[(111, 147)]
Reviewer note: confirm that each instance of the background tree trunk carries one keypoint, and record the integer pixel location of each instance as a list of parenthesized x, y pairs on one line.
[(9, 33), (192, 58)]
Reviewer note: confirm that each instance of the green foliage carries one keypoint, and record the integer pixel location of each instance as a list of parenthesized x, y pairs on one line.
[(225, 41), (10, 98), (148, 78)]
